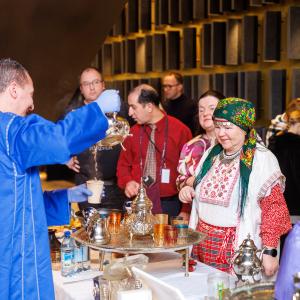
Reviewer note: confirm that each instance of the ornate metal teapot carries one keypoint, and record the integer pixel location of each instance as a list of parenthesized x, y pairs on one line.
[(118, 130), (246, 262), (140, 222)]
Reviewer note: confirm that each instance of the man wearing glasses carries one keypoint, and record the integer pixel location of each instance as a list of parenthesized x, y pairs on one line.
[(97, 161), (176, 103)]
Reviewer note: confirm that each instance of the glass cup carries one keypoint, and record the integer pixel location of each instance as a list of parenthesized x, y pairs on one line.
[(162, 218), (158, 232), (114, 223), (96, 187), (170, 235), (216, 284)]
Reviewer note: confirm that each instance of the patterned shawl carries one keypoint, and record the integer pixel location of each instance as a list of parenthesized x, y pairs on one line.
[(241, 113)]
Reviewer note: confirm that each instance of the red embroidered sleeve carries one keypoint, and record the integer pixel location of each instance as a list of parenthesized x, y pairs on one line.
[(275, 217)]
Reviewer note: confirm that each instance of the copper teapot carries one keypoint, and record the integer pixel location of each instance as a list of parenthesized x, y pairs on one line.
[(246, 262)]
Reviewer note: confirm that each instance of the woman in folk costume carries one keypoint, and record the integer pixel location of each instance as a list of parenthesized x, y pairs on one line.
[(238, 190)]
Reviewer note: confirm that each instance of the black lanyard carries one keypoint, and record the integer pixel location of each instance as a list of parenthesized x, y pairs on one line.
[(163, 153)]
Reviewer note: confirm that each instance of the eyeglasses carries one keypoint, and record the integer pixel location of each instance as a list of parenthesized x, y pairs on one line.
[(93, 83), (169, 86)]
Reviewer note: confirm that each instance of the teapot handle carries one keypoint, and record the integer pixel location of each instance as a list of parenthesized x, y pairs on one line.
[(234, 256), (262, 252)]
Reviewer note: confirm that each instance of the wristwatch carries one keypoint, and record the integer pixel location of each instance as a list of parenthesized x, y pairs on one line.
[(272, 252)]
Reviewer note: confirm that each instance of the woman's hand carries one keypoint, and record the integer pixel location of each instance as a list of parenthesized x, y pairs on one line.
[(270, 264), (73, 164), (186, 194)]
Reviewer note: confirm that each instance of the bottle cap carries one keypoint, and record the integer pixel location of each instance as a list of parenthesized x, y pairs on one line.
[(67, 233)]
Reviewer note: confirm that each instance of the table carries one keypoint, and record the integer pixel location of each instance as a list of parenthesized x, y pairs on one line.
[(165, 266)]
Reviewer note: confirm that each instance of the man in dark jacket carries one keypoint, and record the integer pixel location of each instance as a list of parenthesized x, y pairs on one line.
[(176, 103)]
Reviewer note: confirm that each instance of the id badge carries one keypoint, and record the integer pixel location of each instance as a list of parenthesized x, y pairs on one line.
[(165, 176)]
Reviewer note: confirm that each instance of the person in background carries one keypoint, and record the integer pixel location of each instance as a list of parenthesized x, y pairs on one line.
[(152, 151), (278, 124), (98, 162), (286, 147), (27, 142), (176, 103), (193, 150), (238, 190)]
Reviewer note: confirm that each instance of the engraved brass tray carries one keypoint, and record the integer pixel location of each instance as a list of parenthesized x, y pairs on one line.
[(120, 243)]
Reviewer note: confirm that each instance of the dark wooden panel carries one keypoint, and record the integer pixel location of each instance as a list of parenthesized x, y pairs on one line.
[(255, 3), (239, 5), (206, 60), (293, 32), (214, 7), (144, 12), (159, 52), (272, 35), (277, 92), (218, 82), (296, 83), (140, 59), (161, 12), (253, 89), (270, 1), (130, 56), (132, 16), (173, 11), (187, 86), (231, 84), (201, 85), (185, 10), (189, 48), (250, 37), (107, 59), (119, 85), (241, 85), (143, 47), (199, 9), (117, 58), (225, 5), (156, 83), (233, 42), (173, 50), (218, 43)]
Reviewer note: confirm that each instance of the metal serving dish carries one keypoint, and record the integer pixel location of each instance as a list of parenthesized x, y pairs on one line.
[(120, 243)]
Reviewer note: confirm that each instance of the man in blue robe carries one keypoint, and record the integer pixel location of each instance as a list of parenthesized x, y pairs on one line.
[(25, 143)]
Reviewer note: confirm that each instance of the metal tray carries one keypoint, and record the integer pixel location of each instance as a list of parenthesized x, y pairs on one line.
[(120, 243)]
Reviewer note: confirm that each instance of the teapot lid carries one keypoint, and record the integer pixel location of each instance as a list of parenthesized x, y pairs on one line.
[(248, 243)]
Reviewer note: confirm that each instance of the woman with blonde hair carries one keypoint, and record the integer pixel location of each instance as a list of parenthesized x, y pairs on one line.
[(286, 147)]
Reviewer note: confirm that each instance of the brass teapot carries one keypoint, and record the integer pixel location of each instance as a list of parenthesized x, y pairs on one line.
[(118, 130), (246, 262)]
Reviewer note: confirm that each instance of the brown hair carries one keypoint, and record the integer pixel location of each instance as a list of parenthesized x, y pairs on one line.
[(177, 76)]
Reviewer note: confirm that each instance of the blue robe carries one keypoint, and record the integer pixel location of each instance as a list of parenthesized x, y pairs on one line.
[(25, 143)]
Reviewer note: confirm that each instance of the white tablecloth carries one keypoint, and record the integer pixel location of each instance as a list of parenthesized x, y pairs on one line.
[(166, 266)]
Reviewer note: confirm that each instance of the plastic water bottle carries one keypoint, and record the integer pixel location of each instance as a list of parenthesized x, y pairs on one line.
[(81, 256), (67, 255), (85, 257), (77, 255)]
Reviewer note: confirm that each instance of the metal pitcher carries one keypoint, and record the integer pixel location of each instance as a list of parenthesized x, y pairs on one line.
[(118, 130), (246, 262), (98, 231)]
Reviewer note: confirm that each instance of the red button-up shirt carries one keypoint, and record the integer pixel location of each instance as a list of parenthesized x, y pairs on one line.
[(129, 161)]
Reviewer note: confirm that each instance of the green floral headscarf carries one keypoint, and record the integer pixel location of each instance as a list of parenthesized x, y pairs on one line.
[(241, 113)]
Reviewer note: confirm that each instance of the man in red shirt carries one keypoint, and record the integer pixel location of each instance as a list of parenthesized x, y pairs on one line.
[(168, 138)]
